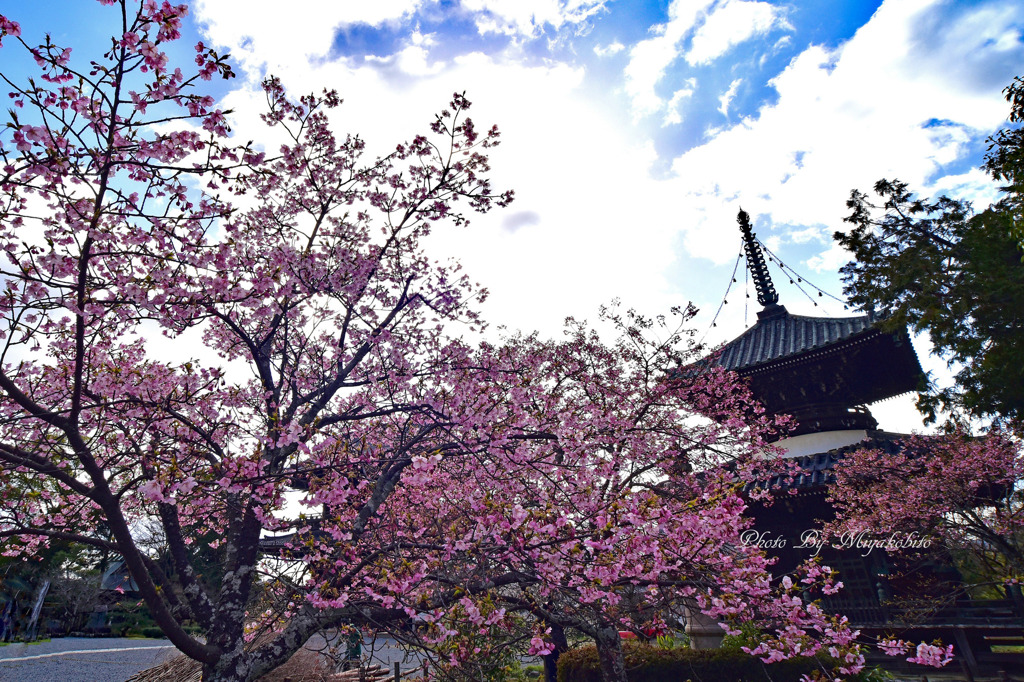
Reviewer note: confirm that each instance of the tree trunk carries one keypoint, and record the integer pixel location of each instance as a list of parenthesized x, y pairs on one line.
[(222, 673), (231, 667), (551, 660), (609, 653)]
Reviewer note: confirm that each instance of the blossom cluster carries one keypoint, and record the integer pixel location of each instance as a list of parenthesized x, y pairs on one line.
[(343, 398)]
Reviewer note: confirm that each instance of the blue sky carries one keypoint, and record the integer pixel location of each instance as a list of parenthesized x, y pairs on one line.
[(633, 131)]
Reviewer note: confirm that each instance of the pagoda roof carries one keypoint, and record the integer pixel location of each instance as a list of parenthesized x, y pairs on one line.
[(819, 370), (818, 470), (778, 335)]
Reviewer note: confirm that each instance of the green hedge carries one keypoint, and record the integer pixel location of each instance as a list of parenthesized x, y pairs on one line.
[(646, 663)]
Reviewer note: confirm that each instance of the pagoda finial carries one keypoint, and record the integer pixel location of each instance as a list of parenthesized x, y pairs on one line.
[(766, 294)]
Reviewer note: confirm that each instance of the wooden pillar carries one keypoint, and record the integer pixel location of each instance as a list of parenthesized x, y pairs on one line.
[(970, 663)]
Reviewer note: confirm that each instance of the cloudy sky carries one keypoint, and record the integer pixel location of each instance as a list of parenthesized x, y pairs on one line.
[(633, 131)]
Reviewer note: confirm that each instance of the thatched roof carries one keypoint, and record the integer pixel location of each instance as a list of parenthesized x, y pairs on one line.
[(304, 666)]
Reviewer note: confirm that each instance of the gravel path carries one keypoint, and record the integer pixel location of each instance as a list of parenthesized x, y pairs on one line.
[(115, 659), (81, 659), (383, 651)]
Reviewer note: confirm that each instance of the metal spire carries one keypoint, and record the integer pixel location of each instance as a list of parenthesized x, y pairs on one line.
[(766, 294)]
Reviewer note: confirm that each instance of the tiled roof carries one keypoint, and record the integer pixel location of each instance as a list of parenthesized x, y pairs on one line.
[(779, 335), (117, 577), (817, 470)]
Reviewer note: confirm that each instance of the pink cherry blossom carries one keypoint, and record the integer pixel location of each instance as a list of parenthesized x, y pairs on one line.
[(471, 485)]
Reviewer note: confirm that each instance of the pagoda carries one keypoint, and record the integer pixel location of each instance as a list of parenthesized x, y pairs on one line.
[(824, 372)]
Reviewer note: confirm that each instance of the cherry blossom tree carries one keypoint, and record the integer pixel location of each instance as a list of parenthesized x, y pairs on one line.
[(581, 482), (616, 495), (953, 491), (237, 344), (317, 294)]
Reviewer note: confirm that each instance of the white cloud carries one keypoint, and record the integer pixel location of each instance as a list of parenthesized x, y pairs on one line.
[(488, 24), (829, 260), (807, 235), (412, 60), (587, 226), (271, 36), (527, 17), (649, 58), (422, 39), (610, 49), (729, 25), (589, 223), (843, 119), (728, 96), (672, 113), (975, 184)]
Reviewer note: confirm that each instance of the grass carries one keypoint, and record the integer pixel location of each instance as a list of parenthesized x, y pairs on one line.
[(534, 672)]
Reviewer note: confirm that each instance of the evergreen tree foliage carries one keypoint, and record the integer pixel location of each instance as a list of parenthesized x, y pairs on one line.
[(939, 267)]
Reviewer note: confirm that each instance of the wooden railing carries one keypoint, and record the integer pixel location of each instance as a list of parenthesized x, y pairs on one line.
[(995, 613)]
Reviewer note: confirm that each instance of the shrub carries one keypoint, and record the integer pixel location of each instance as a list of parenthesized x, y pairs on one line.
[(645, 663)]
